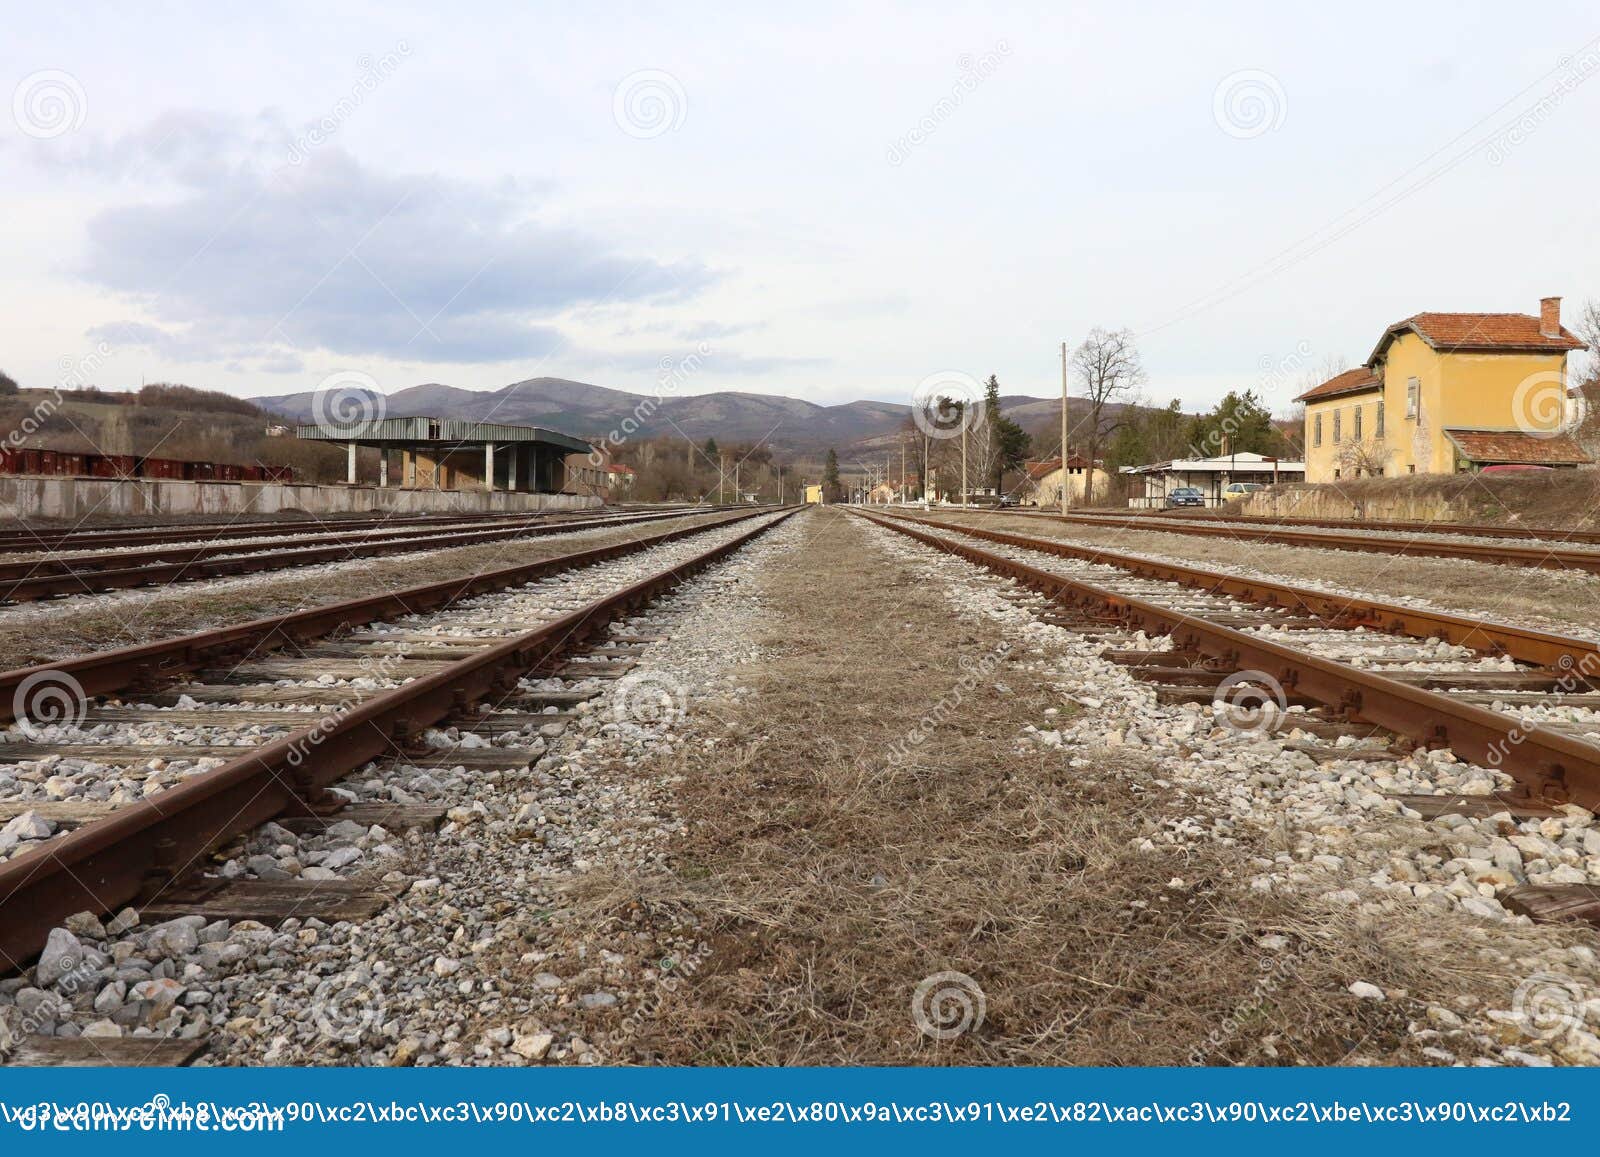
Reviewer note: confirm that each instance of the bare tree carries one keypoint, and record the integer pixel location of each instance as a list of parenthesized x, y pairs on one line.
[(1586, 405), (1331, 366), (1369, 457), (1108, 365)]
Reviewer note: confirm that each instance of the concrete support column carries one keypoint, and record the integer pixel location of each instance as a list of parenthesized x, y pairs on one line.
[(488, 466), (350, 468), (383, 468)]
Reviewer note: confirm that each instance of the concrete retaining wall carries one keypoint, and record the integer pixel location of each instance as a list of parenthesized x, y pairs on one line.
[(1328, 502), (73, 498)]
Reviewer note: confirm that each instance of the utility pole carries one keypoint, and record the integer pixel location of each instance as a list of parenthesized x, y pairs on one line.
[(927, 470), (738, 497), (963, 459), (903, 470), (1064, 429)]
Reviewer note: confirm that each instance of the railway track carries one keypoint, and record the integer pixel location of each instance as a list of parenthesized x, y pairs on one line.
[(1467, 529), (216, 733), (1362, 669), (90, 538), (93, 538), (1548, 557), (30, 580)]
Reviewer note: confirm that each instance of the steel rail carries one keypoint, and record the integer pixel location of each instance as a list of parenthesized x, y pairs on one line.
[(45, 539), (1548, 558), (184, 552), (1549, 765), (146, 664), (162, 573), (1540, 648), (111, 861), (1401, 526)]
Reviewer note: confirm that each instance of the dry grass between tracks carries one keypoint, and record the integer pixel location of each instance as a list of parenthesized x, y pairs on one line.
[(1510, 593), (46, 631), (829, 879)]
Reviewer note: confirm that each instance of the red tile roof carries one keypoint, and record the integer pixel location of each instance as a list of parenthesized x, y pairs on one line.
[(1479, 332), (1356, 381), (1492, 447), (618, 468)]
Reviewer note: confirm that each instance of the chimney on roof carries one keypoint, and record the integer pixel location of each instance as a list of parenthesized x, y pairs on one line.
[(1550, 316)]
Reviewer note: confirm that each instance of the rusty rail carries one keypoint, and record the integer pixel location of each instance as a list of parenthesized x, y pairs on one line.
[(1548, 764), (1398, 526), (188, 552), (109, 862), (44, 538), (1540, 648), (218, 561), (144, 664), (1548, 558)]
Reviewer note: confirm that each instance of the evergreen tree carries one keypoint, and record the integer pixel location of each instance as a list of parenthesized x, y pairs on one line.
[(830, 477), (1239, 424), (1008, 442)]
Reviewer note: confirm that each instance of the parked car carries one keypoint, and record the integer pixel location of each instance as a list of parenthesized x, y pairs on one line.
[(1241, 489), (1008, 500), (1186, 496)]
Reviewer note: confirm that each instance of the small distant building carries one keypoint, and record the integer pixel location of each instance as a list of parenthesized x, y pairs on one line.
[(618, 476), (1444, 393), (1044, 479), (814, 494), (1208, 475)]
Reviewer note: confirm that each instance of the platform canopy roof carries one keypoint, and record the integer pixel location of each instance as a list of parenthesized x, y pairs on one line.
[(395, 433)]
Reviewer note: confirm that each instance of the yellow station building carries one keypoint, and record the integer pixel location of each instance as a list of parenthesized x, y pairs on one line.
[(1448, 392)]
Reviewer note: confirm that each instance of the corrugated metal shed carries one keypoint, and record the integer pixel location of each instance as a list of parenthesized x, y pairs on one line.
[(423, 431)]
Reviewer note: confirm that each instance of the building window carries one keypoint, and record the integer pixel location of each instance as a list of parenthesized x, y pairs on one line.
[(1316, 429), (1378, 431), (1413, 396), (1357, 430), (1338, 423), (1336, 472)]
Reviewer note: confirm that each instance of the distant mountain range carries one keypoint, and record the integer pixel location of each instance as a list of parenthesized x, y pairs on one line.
[(789, 425)]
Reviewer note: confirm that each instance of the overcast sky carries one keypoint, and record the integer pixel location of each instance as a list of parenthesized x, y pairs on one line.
[(832, 204)]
